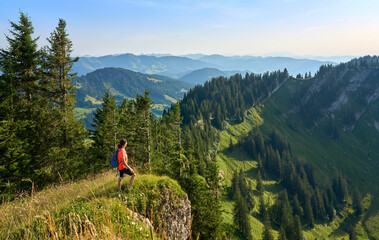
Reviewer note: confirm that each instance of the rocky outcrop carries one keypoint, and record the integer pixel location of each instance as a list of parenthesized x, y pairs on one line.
[(162, 200), (177, 218)]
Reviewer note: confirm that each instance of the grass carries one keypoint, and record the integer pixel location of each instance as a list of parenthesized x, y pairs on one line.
[(154, 80), (233, 159), (353, 153), (83, 112), (91, 208), (92, 100), (230, 160), (171, 99)]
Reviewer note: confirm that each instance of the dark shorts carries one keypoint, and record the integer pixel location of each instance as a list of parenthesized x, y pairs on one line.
[(125, 171)]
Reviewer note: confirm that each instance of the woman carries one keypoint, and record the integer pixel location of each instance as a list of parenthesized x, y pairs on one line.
[(123, 164)]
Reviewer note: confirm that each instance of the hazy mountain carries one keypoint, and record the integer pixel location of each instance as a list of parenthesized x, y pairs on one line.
[(263, 64), (176, 67), (167, 65), (124, 83), (206, 74)]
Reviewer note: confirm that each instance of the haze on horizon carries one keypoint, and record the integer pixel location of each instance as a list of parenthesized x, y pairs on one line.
[(243, 27)]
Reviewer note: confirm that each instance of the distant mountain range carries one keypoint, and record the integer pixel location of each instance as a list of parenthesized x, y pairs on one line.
[(178, 66), (167, 65), (124, 83)]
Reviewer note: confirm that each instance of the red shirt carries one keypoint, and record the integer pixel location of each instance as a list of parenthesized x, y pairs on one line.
[(121, 154)]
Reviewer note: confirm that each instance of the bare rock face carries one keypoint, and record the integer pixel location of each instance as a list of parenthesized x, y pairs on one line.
[(176, 216)]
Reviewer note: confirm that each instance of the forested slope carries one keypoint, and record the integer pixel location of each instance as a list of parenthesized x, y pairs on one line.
[(313, 142)]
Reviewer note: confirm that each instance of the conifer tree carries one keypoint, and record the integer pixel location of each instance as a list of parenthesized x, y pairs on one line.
[(357, 202), (260, 187), (22, 108), (67, 133), (308, 211), (105, 133), (297, 229), (262, 205), (241, 218), (205, 208), (282, 233), (297, 206), (142, 137), (267, 235)]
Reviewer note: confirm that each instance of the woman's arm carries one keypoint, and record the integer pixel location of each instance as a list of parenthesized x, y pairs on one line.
[(123, 161)]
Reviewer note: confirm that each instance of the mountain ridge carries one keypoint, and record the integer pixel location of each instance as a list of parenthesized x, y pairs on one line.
[(178, 66)]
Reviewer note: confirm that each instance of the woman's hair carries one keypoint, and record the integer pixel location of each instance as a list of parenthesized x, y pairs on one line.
[(122, 143)]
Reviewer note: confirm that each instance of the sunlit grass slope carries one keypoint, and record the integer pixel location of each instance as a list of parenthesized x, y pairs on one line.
[(354, 153), (89, 209), (230, 160)]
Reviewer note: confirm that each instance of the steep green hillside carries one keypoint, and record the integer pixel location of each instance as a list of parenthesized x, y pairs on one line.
[(317, 139), (122, 84), (333, 132), (332, 120), (230, 160)]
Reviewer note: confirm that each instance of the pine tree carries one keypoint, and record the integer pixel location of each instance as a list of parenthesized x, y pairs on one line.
[(260, 187), (267, 235), (297, 229), (205, 208), (282, 233), (142, 138), (67, 133), (241, 218), (308, 211), (357, 202), (262, 206), (260, 165), (105, 133), (297, 206), (22, 108)]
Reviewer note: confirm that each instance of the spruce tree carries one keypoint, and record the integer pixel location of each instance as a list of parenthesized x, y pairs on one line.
[(142, 138), (67, 134), (241, 218), (297, 229), (357, 202), (22, 107), (267, 235), (297, 206), (260, 188), (308, 211), (282, 233), (104, 135)]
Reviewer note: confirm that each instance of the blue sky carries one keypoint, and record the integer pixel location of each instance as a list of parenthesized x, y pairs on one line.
[(254, 27)]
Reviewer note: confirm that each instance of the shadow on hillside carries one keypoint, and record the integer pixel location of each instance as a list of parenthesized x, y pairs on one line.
[(345, 226), (236, 153)]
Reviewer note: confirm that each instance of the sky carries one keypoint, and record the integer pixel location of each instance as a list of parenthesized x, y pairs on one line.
[(239, 27)]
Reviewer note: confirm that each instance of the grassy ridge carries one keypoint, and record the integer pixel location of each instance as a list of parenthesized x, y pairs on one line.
[(90, 208)]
